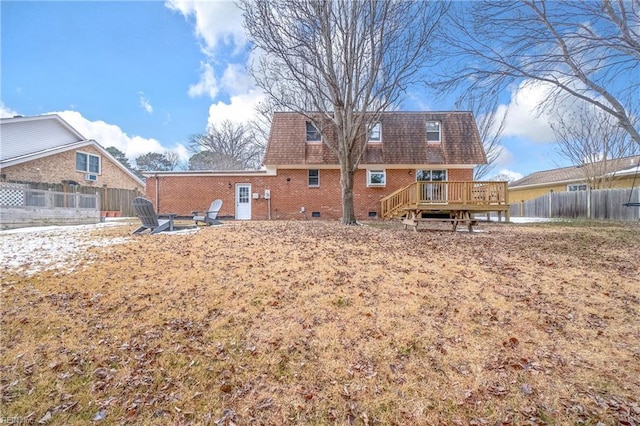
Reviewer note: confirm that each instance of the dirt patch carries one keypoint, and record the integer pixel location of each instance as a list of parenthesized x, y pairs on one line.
[(315, 323)]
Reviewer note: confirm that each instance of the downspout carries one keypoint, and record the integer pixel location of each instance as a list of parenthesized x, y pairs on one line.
[(157, 193)]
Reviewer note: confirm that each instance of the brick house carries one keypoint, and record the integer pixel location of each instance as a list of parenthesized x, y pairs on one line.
[(46, 149), (300, 178)]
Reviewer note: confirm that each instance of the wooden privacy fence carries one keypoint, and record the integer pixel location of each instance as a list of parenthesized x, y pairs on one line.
[(21, 206), (111, 199), (601, 204)]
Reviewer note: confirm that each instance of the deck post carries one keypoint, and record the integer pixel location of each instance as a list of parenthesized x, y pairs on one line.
[(465, 188)]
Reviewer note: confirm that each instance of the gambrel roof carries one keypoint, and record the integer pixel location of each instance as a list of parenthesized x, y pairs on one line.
[(25, 139), (404, 141)]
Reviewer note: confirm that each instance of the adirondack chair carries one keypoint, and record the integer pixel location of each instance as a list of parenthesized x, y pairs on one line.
[(209, 217), (150, 220)]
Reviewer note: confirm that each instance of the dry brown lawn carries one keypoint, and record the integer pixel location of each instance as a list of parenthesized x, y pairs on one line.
[(315, 323)]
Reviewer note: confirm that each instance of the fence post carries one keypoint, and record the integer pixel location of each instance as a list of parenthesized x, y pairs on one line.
[(49, 203), (550, 203), (589, 203)]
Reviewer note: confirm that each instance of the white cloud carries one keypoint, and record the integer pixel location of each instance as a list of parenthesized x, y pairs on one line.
[(145, 104), (111, 135), (524, 118), (207, 84), (6, 112), (508, 175), (241, 109), (236, 80), (183, 152), (215, 21), (504, 156)]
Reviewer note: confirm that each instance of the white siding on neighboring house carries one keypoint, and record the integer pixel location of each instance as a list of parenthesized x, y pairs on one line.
[(23, 136)]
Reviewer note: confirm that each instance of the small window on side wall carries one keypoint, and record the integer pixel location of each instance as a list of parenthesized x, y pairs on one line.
[(376, 178), (576, 187), (375, 133), (314, 177), (87, 163), (433, 131), (313, 135)]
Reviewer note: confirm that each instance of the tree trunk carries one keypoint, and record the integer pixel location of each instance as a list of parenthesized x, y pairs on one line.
[(346, 182)]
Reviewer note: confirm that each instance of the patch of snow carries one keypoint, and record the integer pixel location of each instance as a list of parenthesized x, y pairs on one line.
[(182, 231), (494, 218), (51, 228), (31, 250)]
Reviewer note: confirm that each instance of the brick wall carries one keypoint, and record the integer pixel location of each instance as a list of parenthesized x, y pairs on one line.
[(460, 175), (290, 192), (62, 166)]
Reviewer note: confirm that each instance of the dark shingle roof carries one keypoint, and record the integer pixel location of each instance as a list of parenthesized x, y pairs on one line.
[(404, 141), (573, 173)]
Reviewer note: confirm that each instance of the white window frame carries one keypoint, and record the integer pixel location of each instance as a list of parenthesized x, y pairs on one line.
[(88, 163), (317, 178), (572, 187), (375, 129), (420, 172), (309, 123), (371, 173), (433, 131), (432, 188)]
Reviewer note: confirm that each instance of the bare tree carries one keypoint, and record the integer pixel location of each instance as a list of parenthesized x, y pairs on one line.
[(173, 158), (490, 121), (261, 124), (229, 146), (592, 140), (341, 63), (585, 50)]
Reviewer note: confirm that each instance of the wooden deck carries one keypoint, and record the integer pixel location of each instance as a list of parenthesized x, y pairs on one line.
[(448, 201)]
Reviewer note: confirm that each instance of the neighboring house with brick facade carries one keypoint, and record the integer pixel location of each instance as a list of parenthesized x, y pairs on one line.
[(47, 150), (300, 178), (617, 173)]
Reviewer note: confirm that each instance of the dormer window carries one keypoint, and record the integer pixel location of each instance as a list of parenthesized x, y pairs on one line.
[(375, 133), (313, 135), (433, 131)]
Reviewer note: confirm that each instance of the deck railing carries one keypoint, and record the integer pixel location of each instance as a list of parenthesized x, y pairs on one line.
[(473, 193)]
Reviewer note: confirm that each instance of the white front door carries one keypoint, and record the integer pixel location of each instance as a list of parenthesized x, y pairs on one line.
[(243, 201)]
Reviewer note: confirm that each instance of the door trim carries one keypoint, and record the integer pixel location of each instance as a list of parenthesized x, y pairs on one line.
[(242, 215)]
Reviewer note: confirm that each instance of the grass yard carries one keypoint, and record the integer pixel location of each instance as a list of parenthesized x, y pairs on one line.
[(314, 323)]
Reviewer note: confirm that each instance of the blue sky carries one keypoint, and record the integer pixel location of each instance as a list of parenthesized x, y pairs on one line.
[(144, 76)]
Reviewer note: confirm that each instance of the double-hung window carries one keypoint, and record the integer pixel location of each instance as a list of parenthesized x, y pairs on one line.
[(314, 177), (313, 134), (433, 131), (87, 163), (376, 177), (375, 133)]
